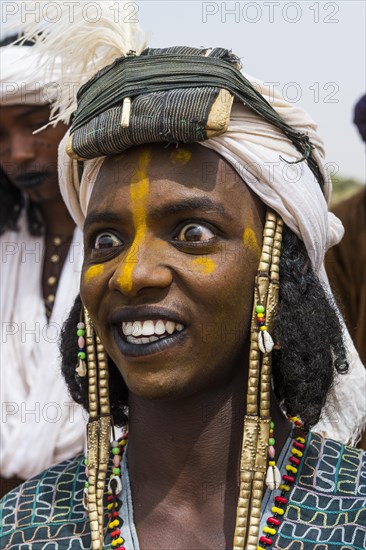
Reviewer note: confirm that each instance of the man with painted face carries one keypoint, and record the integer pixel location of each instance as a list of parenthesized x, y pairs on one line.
[(202, 327), (40, 270)]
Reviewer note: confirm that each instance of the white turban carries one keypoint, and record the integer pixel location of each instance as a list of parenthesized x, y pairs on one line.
[(258, 151), (21, 83)]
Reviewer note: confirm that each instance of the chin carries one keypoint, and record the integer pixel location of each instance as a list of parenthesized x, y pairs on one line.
[(152, 388)]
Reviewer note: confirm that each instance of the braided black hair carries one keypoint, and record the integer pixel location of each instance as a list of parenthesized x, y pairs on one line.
[(307, 329)]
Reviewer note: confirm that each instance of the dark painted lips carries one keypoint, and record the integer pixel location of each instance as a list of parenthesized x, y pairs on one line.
[(31, 180), (141, 350)]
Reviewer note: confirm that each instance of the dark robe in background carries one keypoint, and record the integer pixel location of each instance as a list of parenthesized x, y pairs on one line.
[(346, 268)]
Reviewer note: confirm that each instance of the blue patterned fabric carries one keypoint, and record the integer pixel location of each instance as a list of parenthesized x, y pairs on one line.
[(326, 508), (47, 512)]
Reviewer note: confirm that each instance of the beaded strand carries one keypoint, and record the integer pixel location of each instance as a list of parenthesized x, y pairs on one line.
[(114, 489), (289, 478), (273, 477), (81, 368)]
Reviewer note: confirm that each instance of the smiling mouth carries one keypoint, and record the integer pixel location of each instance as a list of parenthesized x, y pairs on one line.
[(31, 180), (148, 337), (146, 332)]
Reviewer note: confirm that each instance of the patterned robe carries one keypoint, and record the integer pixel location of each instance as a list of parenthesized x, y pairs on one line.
[(326, 507)]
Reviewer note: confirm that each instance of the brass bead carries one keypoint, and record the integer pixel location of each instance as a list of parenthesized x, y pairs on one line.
[(57, 241), (52, 280), (51, 298), (55, 258)]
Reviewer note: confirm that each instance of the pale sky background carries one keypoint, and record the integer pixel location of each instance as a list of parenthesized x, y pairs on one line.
[(314, 50), (323, 53)]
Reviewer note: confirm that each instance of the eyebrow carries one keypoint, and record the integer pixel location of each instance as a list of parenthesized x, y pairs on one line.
[(186, 205), (99, 217)]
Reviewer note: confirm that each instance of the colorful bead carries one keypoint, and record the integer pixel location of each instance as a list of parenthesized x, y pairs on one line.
[(281, 500), (273, 521), (271, 451), (277, 510), (114, 523), (269, 530), (116, 460), (116, 471), (297, 452), (259, 309), (81, 342), (266, 540), (81, 354), (80, 325), (271, 441), (80, 332)]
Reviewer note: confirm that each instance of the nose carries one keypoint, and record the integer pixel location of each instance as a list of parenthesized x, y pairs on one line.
[(143, 268), (22, 148)]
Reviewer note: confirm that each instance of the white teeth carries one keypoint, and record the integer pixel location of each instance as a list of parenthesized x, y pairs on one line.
[(143, 340), (159, 327), (144, 332), (127, 329), (170, 327), (148, 328), (136, 328)]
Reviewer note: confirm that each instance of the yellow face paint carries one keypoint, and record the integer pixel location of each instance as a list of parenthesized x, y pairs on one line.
[(180, 156), (93, 271), (250, 241), (139, 191), (206, 265)]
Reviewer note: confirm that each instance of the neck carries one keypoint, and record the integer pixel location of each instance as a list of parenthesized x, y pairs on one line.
[(57, 218), (187, 453)]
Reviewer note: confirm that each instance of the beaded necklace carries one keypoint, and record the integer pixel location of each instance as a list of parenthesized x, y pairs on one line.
[(56, 249), (289, 478), (114, 489), (115, 522)]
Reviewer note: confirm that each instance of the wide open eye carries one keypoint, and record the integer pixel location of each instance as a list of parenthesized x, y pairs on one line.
[(195, 232), (106, 240)]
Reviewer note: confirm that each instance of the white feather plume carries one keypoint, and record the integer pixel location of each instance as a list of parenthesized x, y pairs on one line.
[(77, 43)]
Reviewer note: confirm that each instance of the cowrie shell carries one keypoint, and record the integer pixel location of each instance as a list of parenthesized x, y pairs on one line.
[(273, 478), (265, 342)]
